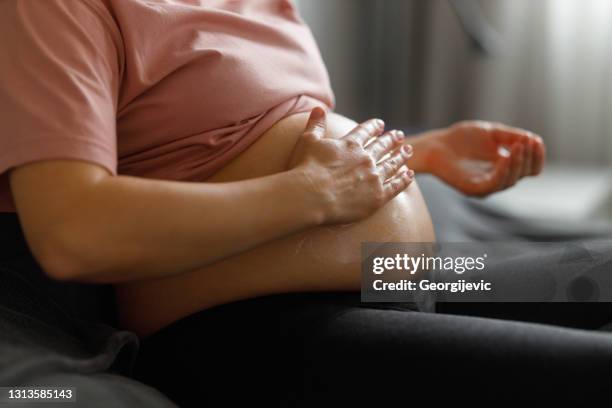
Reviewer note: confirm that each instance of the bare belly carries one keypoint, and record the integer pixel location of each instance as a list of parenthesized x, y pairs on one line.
[(319, 259)]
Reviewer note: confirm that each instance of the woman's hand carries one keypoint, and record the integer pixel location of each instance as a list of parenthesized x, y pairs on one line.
[(480, 158), (350, 177)]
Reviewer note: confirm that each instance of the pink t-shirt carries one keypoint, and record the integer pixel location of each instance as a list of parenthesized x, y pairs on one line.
[(168, 89)]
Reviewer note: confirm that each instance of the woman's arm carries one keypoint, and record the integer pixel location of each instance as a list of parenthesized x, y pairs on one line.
[(84, 224), (478, 158)]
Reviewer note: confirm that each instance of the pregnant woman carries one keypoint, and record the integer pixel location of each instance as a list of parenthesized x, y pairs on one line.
[(187, 152)]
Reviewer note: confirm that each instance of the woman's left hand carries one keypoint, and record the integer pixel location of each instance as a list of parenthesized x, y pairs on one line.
[(479, 158)]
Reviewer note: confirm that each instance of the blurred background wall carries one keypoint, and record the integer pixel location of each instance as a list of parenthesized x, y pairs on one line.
[(545, 65)]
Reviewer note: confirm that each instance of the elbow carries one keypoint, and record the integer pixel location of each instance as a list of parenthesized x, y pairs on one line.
[(61, 264), (67, 240), (67, 257), (60, 267)]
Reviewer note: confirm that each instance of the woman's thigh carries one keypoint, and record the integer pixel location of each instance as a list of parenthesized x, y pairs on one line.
[(319, 348)]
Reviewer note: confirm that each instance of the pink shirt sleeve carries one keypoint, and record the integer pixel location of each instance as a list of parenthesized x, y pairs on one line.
[(59, 81)]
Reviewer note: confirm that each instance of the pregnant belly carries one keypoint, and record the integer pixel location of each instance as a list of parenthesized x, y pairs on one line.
[(319, 259)]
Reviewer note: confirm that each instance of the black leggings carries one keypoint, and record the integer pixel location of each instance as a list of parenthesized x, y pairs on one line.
[(330, 349)]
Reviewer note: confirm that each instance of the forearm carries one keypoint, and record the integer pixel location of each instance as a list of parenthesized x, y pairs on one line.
[(83, 224), (123, 228), (423, 145)]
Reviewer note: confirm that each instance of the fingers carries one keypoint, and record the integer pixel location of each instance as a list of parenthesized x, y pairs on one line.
[(519, 163), (317, 124), (508, 135), (398, 183), (532, 154), (534, 150), (390, 167), (525, 156), (385, 144), (516, 166), (497, 179), (539, 156), (365, 131), (528, 158)]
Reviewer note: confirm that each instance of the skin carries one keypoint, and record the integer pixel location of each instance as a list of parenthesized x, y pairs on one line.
[(128, 220), (479, 158), (323, 258), (318, 259), (313, 196)]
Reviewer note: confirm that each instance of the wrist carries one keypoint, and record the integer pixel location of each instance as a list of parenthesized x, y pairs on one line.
[(425, 148), (304, 194)]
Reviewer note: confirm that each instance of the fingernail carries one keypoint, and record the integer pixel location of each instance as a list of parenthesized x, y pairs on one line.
[(399, 135), (411, 173), (317, 113), (407, 149), (379, 123)]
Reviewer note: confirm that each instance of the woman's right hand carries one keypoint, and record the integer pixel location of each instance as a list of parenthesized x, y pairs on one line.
[(349, 177)]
